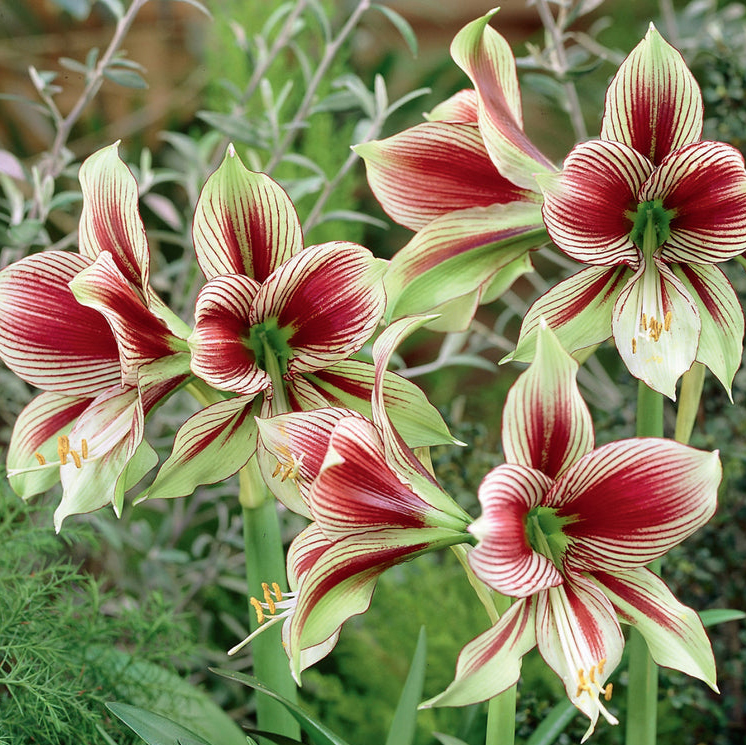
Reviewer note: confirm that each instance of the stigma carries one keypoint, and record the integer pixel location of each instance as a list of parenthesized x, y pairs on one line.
[(589, 684), (274, 606), (288, 470)]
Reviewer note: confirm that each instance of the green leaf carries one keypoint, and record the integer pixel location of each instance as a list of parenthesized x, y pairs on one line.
[(553, 725), (115, 8), (78, 9), (154, 728), (317, 732), (448, 739), (404, 724), (402, 26), (714, 616), (125, 78), (274, 737)]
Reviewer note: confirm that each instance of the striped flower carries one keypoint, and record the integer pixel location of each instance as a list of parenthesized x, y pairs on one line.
[(90, 333), (651, 209), (568, 529)]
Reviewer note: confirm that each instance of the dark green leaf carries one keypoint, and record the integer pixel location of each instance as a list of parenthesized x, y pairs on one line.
[(714, 616), (554, 724), (404, 724), (154, 728)]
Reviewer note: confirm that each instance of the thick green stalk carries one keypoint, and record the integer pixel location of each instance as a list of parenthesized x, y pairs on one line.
[(265, 562), (642, 694)]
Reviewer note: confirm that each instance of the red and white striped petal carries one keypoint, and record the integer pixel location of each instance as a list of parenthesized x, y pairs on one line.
[(579, 637), (653, 104), (577, 309), (244, 223), (141, 336), (674, 633), (221, 355), (630, 501), (434, 168), (586, 205), (209, 447), (457, 253), (460, 107), (298, 443), (546, 424), (46, 336), (357, 491), (332, 298), (341, 582), (705, 184), (503, 558), (656, 327), (488, 61), (36, 430), (491, 663), (110, 220), (720, 313), (113, 426)]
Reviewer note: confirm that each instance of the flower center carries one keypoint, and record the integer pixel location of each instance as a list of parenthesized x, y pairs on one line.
[(590, 686), (268, 340), (648, 214), (65, 454), (545, 535)]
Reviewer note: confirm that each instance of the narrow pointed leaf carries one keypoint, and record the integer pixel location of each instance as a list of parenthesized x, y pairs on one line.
[(155, 729), (403, 726)]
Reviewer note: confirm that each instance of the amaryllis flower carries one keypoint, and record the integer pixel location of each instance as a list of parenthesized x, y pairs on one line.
[(276, 319), (373, 506), (568, 530), (465, 181), (88, 331), (651, 209)]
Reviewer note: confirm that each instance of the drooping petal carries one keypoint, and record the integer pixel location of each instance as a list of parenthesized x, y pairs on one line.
[(546, 424), (46, 337), (577, 309), (141, 336), (349, 384), (341, 582), (491, 663), (357, 491), (674, 633), (210, 446), (457, 253), (434, 168), (221, 354), (705, 184), (656, 327), (487, 59), (653, 104), (110, 221), (42, 421), (460, 107), (298, 443), (585, 206), (720, 313), (331, 296), (244, 223), (578, 636), (630, 501), (503, 558), (112, 426)]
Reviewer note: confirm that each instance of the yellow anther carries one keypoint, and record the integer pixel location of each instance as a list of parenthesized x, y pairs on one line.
[(607, 692), (268, 598), (667, 321), (277, 591), (634, 345), (84, 448), (644, 321), (601, 665), (592, 675), (42, 460), (277, 470), (76, 459), (63, 448), (257, 606)]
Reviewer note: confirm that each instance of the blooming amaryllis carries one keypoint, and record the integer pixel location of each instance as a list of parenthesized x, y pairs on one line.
[(372, 503), (276, 324), (465, 181), (568, 530), (89, 332), (651, 209)]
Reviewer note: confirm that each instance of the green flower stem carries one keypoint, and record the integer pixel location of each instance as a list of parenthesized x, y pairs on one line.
[(265, 562), (642, 693), (691, 392), (501, 708), (279, 400)]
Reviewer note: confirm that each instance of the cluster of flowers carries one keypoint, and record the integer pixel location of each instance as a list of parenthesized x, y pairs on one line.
[(648, 206)]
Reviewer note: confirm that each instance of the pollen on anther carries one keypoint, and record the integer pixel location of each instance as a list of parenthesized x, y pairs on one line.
[(601, 665), (268, 598), (276, 590), (277, 470), (84, 448), (63, 448), (257, 606), (42, 460), (667, 321), (634, 345), (76, 459), (607, 691)]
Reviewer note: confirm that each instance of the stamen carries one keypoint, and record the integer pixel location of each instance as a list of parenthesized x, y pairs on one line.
[(63, 448), (257, 606), (277, 591), (42, 460), (601, 665), (84, 448), (667, 321), (607, 691), (634, 345), (277, 470), (268, 598), (76, 459)]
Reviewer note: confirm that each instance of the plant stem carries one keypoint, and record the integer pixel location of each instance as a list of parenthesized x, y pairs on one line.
[(642, 693), (265, 562)]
